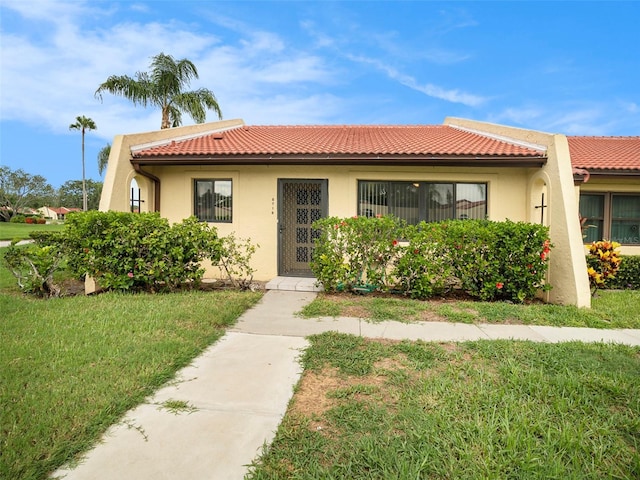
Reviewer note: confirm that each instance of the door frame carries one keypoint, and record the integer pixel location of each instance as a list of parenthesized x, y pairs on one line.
[(324, 206)]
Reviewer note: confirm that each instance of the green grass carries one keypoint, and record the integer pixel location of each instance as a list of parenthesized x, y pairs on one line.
[(485, 409), (71, 367), (21, 231), (610, 309)]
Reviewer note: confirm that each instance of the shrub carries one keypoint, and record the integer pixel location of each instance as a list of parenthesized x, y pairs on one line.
[(499, 260), (628, 275), (488, 260), (235, 260), (424, 266), (603, 262), (34, 265), (356, 252), (138, 251), (18, 218)]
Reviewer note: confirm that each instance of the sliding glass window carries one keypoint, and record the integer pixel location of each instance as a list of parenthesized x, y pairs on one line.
[(418, 201)]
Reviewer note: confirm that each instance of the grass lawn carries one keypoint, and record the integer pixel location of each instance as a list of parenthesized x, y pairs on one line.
[(488, 409), (609, 309), (71, 367), (11, 231)]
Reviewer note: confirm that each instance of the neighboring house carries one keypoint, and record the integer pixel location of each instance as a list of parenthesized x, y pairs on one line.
[(269, 183), (607, 172), (56, 213)]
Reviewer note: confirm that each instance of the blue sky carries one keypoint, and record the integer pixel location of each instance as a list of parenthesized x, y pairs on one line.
[(566, 67)]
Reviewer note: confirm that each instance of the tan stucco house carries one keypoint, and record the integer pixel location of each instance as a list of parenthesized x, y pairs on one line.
[(269, 183)]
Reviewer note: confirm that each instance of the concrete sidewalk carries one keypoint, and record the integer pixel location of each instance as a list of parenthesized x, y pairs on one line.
[(239, 388)]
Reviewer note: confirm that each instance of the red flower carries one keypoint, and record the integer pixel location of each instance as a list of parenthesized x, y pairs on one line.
[(395, 242), (499, 285), (130, 274), (416, 251)]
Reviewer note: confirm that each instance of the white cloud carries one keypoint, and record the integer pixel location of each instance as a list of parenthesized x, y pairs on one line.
[(429, 89), (51, 79)]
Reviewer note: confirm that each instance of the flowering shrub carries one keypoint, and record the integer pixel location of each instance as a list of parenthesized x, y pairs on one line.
[(603, 261), (499, 260), (138, 251), (356, 252), (488, 260), (424, 267)]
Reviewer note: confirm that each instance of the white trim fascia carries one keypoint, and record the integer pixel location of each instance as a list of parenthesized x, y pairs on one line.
[(502, 138), (166, 141)]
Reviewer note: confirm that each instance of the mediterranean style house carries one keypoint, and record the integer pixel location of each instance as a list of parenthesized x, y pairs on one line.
[(270, 183)]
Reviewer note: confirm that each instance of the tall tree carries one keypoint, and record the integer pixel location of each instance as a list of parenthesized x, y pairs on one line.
[(70, 194), (19, 189), (163, 87), (103, 158), (83, 124)]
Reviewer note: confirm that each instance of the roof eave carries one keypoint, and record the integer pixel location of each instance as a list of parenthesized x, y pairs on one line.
[(391, 160), (619, 172)]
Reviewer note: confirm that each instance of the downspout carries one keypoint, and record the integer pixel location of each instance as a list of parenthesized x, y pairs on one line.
[(156, 185)]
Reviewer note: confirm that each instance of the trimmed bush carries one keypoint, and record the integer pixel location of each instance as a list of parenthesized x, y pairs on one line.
[(424, 267), (628, 274), (499, 260), (356, 253), (18, 218), (138, 251), (488, 260)]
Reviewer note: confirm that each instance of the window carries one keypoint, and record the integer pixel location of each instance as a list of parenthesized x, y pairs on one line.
[(417, 201), (611, 216), (213, 200)]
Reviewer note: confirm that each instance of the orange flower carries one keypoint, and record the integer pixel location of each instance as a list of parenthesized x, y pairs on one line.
[(499, 285)]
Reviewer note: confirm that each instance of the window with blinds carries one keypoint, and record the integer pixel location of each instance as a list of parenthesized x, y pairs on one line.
[(610, 216), (213, 200), (418, 201)]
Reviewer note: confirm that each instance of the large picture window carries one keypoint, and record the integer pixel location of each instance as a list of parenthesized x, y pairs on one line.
[(611, 216), (418, 201), (213, 200)]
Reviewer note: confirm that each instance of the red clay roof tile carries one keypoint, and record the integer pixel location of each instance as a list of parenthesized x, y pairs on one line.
[(605, 153), (384, 140)]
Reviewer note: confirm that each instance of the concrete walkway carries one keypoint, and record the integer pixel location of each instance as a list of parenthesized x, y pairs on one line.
[(237, 391)]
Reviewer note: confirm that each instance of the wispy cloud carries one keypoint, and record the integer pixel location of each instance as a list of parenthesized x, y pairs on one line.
[(429, 89)]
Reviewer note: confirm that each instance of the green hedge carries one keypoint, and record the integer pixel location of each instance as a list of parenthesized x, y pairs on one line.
[(138, 251), (628, 275), (488, 260)]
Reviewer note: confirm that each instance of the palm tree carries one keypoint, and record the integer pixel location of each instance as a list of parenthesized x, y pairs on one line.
[(103, 158), (163, 87), (83, 124)]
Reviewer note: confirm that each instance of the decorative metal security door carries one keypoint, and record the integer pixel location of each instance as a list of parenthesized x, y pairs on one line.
[(300, 203)]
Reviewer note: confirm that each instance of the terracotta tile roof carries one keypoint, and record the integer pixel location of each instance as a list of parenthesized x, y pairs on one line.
[(605, 153), (342, 141)]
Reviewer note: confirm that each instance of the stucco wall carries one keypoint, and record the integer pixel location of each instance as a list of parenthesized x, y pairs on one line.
[(255, 196)]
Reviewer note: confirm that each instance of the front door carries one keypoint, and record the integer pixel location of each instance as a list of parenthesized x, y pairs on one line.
[(300, 203)]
